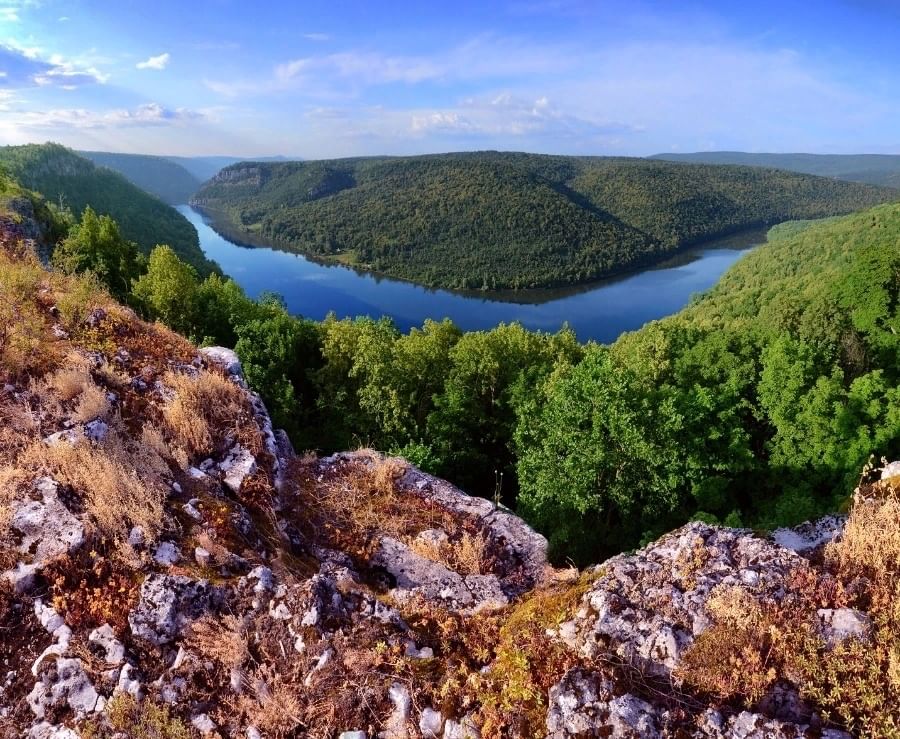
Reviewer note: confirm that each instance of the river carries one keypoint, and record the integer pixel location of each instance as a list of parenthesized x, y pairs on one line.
[(599, 311)]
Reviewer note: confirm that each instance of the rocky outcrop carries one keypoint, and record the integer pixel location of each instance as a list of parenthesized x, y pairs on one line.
[(410, 610), (648, 607)]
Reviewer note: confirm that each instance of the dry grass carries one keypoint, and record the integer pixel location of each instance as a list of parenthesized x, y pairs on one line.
[(466, 555), (204, 411), (68, 382), (273, 706), (221, 639), (91, 404), (738, 655), (870, 545), (25, 343), (122, 482)]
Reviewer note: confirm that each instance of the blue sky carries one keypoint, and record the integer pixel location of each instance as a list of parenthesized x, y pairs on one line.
[(323, 79)]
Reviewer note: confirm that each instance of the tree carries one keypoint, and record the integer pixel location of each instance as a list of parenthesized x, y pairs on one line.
[(168, 290), (96, 245)]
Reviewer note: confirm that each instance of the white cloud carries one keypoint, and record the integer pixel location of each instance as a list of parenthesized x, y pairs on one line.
[(348, 72), (30, 67), (154, 62), (317, 36), (147, 115)]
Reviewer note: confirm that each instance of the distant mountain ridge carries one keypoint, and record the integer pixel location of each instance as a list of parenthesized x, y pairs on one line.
[(168, 180), (491, 220), (874, 169), (63, 176)]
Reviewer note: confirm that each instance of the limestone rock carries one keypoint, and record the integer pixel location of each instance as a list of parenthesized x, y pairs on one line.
[(892, 469), (168, 603), (225, 358), (167, 554), (113, 650), (431, 723), (809, 536), (237, 465), (585, 704), (649, 606), (64, 684), (48, 530), (839, 624)]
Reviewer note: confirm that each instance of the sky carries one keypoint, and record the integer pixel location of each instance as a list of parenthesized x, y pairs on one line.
[(328, 79)]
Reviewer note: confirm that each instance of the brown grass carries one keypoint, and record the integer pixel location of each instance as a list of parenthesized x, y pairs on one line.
[(122, 482), (466, 555), (221, 639), (274, 707), (204, 411), (25, 343)]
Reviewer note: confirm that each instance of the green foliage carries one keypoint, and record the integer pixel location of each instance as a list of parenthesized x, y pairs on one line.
[(490, 220), (756, 405), (168, 290), (875, 169), (159, 176), (96, 245), (74, 182)]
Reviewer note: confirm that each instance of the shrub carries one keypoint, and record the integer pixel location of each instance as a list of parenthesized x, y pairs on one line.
[(123, 483), (204, 410)]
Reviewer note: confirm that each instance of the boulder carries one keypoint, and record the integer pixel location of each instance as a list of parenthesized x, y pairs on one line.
[(585, 704), (839, 624), (648, 607), (168, 603), (238, 464), (225, 358)]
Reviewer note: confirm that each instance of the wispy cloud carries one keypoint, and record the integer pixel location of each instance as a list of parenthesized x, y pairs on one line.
[(154, 62), (508, 115), (25, 67), (483, 57), (149, 114), (317, 36)]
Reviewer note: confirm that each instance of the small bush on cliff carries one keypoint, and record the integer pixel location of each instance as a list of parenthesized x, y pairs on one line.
[(96, 245)]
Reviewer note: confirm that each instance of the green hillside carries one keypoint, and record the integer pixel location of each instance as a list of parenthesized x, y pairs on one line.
[(489, 220), (874, 169), (159, 176), (63, 176)]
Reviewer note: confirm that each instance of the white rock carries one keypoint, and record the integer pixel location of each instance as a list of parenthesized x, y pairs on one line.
[(104, 637), (237, 466), (225, 358), (353, 735), (167, 554), (892, 469), (128, 682), (203, 723), (202, 556), (192, 511), (265, 579), (838, 624), (66, 685), (96, 430), (136, 538), (395, 726), (431, 723)]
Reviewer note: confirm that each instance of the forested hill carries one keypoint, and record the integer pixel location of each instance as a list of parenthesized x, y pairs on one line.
[(159, 176), (875, 169), (63, 176), (489, 220)]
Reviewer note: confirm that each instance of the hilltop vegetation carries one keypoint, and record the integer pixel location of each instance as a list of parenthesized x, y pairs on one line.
[(875, 169), (757, 405), (160, 176), (71, 181), (500, 220), (169, 567)]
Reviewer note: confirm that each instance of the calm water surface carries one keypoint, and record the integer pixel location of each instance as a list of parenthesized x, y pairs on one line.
[(599, 311)]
